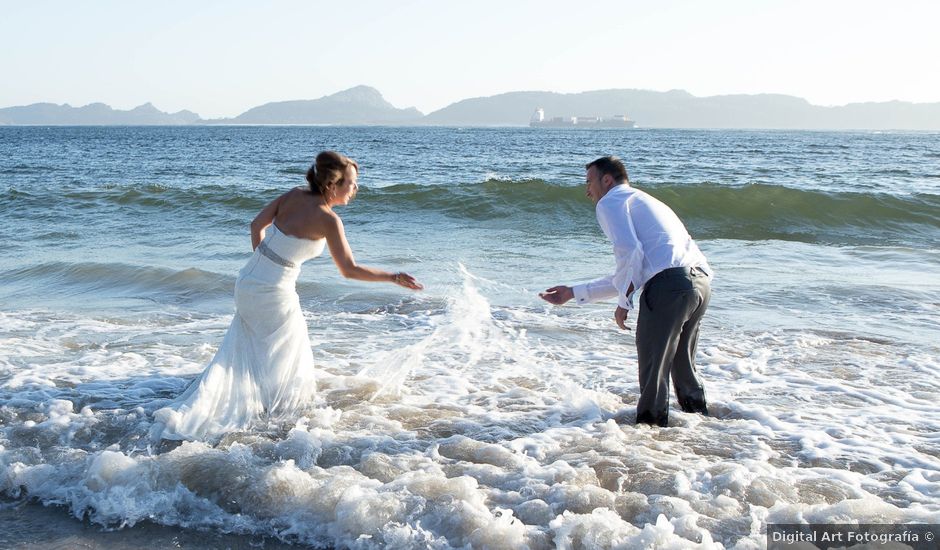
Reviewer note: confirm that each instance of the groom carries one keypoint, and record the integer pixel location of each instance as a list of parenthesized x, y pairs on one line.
[(655, 254)]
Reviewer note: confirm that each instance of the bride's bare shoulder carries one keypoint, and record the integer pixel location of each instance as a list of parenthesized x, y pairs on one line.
[(298, 193), (299, 198)]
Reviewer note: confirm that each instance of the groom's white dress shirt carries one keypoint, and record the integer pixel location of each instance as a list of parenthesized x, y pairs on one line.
[(647, 236)]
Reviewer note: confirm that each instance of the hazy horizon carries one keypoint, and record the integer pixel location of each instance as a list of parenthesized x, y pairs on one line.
[(234, 115), (221, 59)]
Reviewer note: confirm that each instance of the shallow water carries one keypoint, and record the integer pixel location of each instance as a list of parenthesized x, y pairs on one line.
[(471, 413)]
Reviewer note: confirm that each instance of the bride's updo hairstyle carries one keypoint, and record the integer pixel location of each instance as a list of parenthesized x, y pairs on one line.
[(327, 171)]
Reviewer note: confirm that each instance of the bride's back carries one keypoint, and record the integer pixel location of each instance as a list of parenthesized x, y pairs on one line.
[(302, 213), (307, 212)]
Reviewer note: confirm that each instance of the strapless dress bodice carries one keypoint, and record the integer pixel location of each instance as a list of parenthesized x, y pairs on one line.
[(278, 257), (290, 249)]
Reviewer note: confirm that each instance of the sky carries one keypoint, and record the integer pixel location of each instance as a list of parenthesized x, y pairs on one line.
[(220, 58)]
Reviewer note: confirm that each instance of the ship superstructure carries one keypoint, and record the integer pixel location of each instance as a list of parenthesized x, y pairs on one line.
[(538, 120)]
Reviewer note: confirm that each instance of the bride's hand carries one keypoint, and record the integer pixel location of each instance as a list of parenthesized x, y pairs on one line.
[(407, 281)]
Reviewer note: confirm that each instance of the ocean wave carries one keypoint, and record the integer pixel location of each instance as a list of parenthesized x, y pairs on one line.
[(142, 197), (751, 212), (491, 199), (757, 211), (24, 169), (760, 211), (117, 279), (92, 280)]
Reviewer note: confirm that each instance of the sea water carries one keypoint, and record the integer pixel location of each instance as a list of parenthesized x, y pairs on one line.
[(472, 414)]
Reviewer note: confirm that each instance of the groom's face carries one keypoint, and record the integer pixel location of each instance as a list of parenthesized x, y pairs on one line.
[(597, 184)]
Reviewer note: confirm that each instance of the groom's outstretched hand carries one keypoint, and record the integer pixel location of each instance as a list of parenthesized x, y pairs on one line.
[(557, 295)]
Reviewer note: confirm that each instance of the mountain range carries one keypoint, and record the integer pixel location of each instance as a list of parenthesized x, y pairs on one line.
[(92, 114), (363, 105), (359, 105)]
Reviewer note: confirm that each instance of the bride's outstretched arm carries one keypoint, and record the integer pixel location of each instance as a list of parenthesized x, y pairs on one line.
[(343, 257), (263, 220)]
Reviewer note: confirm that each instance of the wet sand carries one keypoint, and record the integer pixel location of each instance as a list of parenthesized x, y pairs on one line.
[(31, 526)]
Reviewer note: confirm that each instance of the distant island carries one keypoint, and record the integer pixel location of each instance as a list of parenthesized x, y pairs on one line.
[(359, 105), (93, 114), (363, 105)]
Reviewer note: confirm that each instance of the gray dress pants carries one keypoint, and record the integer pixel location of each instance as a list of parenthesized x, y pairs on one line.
[(671, 308)]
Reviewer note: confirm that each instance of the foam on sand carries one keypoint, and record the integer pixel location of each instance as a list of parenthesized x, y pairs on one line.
[(466, 423)]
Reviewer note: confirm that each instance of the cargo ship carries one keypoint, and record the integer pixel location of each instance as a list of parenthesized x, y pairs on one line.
[(538, 120)]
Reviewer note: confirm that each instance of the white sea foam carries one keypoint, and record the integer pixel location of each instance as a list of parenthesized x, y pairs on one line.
[(461, 422)]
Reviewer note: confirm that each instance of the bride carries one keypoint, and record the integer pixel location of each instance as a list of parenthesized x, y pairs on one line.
[(265, 364)]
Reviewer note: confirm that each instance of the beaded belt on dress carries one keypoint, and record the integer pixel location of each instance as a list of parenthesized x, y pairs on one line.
[(273, 256)]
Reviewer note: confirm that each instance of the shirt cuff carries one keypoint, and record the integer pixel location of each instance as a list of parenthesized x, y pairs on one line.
[(581, 294), (624, 302)]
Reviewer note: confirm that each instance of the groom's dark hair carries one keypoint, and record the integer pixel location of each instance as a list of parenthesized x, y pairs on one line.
[(611, 166)]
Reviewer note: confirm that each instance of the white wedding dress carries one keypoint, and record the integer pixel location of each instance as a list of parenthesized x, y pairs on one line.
[(265, 364)]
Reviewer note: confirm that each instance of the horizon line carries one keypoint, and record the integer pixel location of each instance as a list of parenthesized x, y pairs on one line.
[(424, 114)]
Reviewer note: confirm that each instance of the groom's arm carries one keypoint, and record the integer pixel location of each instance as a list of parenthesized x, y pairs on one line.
[(615, 221), (596, 290), (586, 292)]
